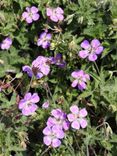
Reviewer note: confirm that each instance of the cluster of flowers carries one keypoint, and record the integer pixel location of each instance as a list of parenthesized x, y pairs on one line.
[(59, 122), (41, 65)]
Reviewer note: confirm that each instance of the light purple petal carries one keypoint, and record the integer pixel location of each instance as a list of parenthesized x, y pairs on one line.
[(22, 103), (59, 10), (47, 140), (83, 123), (49, 11), (83, 53), (26, 111), (74, 109), (71, 117), (29, 19), (95, 43), (82, 85), (85, 44), (54, 18), (66, 125), (39, 75), (25, 15), (45, 44), (56, 113), (60, 17), (28, 70), (35, 98), (56, 143), (33, 108), (75, 125), (35, 17), (60, 134), (74, 83), (34, 9), (92, 57), (51, 121), (99, 50), (48, 36), (47, 131), (39, 42), (83, 112), (27, 96), (28, 9)]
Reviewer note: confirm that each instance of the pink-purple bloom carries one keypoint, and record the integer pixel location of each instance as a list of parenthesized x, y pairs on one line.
[(77, 117), (55, 14), (58, 60), (40, 67), (45, 105), (44, 40), (58, 119), (31, 14), (53, 136), (27, 104), (80, 79), (91, 50), (6, 43)]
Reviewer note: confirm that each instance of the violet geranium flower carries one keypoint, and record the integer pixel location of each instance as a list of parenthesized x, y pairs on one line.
[(77, 117), (80, 79), (55, 14), (31, 14), (40, 67), (57, 60), (52, 136), (44, 40), (6, 43), (27, 105), (58, 119), (91, 50)]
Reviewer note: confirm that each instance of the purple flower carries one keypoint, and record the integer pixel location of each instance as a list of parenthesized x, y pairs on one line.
[(27, 105), (52, 136), (57, 60), (55, 14), (31, 14), (6, 43), (77, 117), (58, 119), (91, 50), (44, 40), (45, 105), (80, 79), (40, 67)]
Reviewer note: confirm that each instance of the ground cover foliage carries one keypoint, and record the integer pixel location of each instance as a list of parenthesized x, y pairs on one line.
[(21, 134)]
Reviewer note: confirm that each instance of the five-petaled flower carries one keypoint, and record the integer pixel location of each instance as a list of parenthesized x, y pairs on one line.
[(55, 14), (58, 60), (6, 43), (91, 50), (52, 136), (80, 79), (31, 14), (40, 67), (27, 105), (58, 119), (77, 117), (44, 40)]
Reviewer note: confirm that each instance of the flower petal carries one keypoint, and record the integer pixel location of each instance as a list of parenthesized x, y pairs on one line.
[(47, 131), (99, 50), (47, 140), (56, 143), (75, 125), (74, 109), (74, 83), (83, 123), (34, 9), (85, 44), (35, 17), (28, 70), (95, 43), (71, 117), (92, 57), (83, 112), (83, 53), (35, 98)]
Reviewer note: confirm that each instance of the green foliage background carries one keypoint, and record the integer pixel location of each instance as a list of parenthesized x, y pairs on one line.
[(84, 19)]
